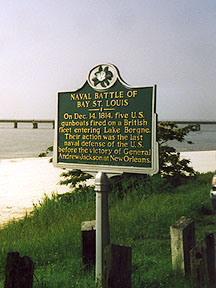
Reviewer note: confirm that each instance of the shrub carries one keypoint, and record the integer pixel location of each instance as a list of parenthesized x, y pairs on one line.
[(173, 170)]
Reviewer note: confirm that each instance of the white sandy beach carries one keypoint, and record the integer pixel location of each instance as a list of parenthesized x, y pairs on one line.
[(25, 181), (201, 161)]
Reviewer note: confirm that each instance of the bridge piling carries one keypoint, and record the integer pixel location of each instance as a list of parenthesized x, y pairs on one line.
[(35, 125)]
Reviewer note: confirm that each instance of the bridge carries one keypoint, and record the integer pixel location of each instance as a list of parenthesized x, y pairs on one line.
[(52, 122), (191, 122), (195, 124), (34, 122)]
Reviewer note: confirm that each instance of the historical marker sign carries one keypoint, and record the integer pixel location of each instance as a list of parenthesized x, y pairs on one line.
[(107, 126)]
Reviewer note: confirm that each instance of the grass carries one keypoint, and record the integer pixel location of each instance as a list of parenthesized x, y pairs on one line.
[(51, 235)]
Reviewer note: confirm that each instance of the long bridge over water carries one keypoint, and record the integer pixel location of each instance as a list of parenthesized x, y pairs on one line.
[(33, 122), (52, 122), (196, 124), (192, 122)]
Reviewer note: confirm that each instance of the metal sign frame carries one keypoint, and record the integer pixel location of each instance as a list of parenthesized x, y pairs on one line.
[(104, 84)]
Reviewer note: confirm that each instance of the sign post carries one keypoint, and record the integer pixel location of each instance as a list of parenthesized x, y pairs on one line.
[(102, 221), (106, 127)]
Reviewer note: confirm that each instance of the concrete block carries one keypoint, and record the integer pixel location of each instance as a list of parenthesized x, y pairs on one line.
[(182, 241)]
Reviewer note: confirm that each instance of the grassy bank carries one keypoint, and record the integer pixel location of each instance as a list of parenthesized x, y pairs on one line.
[(51, 236)]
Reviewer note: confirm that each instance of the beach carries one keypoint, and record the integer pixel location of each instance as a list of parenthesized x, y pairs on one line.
[(201, 161), (24, 181)]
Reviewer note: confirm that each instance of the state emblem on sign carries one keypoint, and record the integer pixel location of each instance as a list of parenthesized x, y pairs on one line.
[(102, 77)]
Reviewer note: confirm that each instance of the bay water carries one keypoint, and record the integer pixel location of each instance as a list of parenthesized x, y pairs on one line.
[(203, 140), (24, 142)]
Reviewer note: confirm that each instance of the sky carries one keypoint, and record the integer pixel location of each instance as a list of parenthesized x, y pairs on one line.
[(49, 46)]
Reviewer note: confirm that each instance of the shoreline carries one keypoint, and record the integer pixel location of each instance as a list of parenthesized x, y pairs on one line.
[(25, 181)]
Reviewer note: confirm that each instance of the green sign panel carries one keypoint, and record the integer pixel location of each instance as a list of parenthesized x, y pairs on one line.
[(107, 126)]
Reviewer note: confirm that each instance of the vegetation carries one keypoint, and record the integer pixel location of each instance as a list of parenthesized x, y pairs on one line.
[(142, 208), (76, 180), (173, 170), (47, 153), (51, 235)]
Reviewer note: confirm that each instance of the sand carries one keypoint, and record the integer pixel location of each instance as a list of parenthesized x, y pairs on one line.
[(25, 181), (201, 161)]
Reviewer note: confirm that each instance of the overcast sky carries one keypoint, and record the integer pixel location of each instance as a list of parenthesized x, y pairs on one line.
[(48, 46)]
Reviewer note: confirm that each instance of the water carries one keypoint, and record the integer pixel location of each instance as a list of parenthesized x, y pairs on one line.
[(25, 142), (203, 140)]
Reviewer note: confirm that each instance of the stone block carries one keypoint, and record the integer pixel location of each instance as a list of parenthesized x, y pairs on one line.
[(202, 258), (199, 272), (117, 267), (19, 271), (210, 257), (182, 241), (88, 229)]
